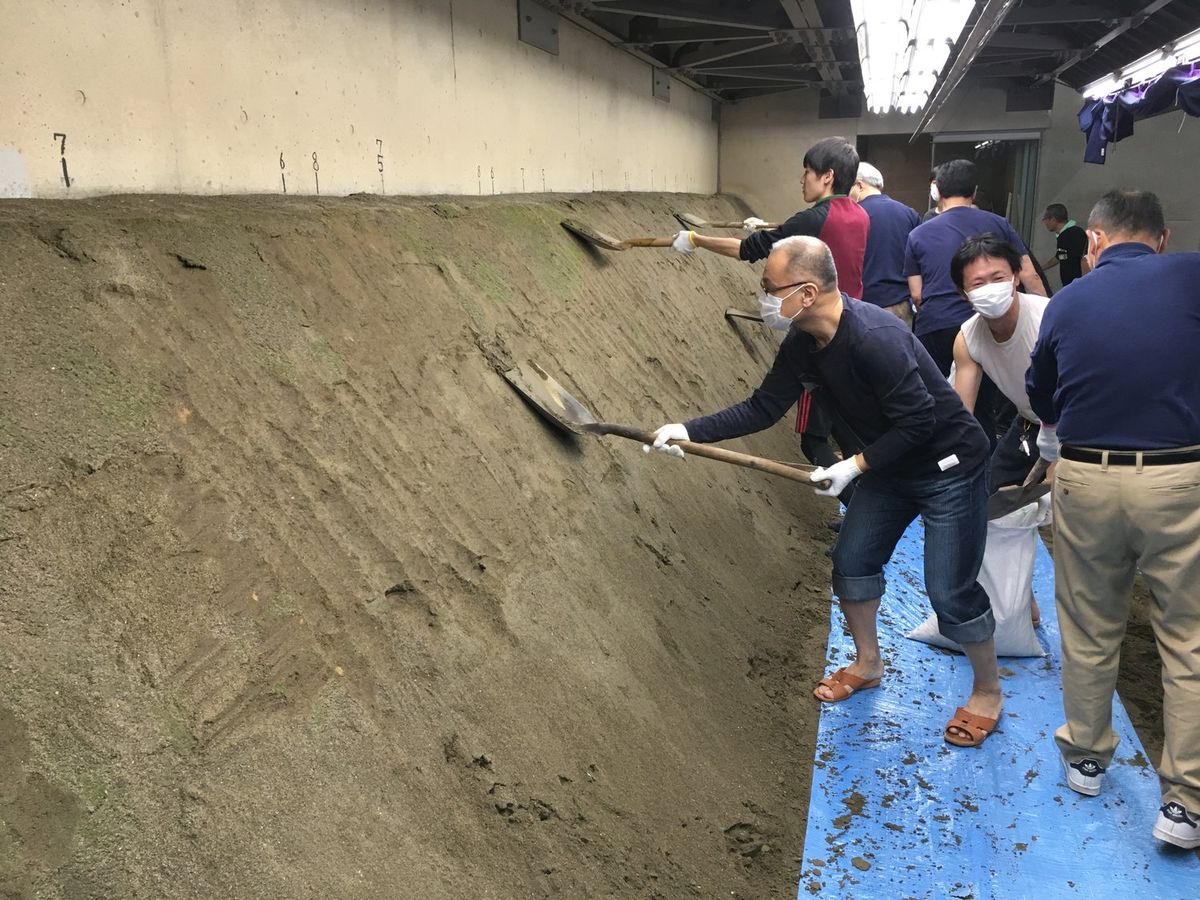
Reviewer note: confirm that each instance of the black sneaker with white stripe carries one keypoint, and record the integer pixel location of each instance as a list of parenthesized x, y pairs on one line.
[(1177, 826), (1084, 777)]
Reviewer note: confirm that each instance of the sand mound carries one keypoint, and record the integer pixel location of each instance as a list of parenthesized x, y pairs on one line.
[(297, 598)]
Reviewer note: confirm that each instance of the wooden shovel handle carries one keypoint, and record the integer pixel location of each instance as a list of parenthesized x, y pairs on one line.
[(771, 466), (649, 242)]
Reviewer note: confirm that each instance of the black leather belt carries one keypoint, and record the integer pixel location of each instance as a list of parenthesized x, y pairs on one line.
[(1130, 457)]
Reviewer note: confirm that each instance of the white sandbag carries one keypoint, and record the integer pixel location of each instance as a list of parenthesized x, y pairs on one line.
[(1007, 576)]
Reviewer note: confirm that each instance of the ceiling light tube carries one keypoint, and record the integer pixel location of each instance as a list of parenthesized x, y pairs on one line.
[(1184, 50)]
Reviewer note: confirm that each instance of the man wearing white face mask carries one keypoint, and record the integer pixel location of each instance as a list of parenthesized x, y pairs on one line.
[(996, 342), (924, 455), (1114, 373)]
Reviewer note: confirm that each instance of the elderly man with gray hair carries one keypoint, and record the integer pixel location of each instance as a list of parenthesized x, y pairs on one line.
[(884, 283), (924, 455)]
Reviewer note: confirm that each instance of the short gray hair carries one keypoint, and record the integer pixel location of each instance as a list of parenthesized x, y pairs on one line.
[(810, 256), (868, 174)]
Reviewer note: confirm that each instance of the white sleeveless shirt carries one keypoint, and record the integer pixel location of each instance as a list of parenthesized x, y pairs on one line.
[(1007, 363)]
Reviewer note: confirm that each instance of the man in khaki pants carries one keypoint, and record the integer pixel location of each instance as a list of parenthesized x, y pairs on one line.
[(1114, 369)]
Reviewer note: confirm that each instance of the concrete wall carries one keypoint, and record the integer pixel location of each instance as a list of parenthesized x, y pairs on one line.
[(1160, 157), (167, 96), (763, 139)]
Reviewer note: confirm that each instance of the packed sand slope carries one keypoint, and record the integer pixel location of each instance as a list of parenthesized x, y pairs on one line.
[(299, 599)]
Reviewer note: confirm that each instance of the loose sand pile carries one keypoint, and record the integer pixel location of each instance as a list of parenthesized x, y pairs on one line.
[(298, 599)]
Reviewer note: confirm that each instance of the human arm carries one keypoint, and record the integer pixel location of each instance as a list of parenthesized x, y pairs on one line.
[(968, 374), (780, 388), (758, 245), (1031, 282), (725, 246), (889, 367), (1041, 378), (1051, 262), (914, 289)]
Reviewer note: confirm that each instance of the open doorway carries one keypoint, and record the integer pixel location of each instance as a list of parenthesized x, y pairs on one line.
[(1007, 161), (1008, 165)]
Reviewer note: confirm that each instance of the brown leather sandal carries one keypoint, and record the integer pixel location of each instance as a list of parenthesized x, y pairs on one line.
[(967, 729), (843, 684)]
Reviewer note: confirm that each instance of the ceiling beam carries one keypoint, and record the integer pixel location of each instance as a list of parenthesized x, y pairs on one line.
[(1030, 41), (1108, 37), (672, 13), (988, 21), (691, 62), (804, 14), (693, 36), (1062, 13)]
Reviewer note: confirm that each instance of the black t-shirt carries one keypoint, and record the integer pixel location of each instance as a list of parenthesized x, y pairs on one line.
[(1072, 247)]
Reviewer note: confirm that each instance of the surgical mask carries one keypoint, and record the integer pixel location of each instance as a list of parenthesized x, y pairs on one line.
[(769, 307), (933, 193), (992, 300)]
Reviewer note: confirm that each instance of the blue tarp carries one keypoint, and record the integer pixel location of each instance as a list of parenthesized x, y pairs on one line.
[(896, 812)]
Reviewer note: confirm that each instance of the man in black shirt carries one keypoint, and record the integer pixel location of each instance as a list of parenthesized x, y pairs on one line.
[(1071, 244), (924, 455)]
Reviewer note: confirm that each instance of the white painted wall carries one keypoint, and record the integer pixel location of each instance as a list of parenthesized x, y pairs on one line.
[(180, 96)]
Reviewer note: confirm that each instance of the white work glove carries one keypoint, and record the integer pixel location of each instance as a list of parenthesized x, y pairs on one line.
[(1047, 442), (839, 475), (684, 242), (674, 432), (753, 223)]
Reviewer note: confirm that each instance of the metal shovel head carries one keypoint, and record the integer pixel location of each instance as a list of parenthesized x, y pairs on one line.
[(1010, 499), (687, 220), (549, 397), (599, 238)]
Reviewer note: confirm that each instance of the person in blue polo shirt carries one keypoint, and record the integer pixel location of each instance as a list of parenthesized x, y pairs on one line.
[(1113, 378), (941, 309), (884, 283), (924, 455)]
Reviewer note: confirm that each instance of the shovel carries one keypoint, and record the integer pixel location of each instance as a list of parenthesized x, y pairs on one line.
[(552, 400), (687, 220), (1011, 498), (608, 242), (734, 313)]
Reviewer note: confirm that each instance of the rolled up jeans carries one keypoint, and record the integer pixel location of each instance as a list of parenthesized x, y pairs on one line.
[(954, 507)]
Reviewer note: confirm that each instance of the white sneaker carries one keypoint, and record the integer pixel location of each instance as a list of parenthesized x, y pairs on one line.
[(1177, 826), (1084, 777)]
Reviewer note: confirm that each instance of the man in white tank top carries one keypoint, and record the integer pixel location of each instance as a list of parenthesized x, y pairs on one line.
[(997, 341)]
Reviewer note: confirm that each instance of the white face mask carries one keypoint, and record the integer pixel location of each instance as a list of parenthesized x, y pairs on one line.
[(933, 193), (769, 307), (992, 300)]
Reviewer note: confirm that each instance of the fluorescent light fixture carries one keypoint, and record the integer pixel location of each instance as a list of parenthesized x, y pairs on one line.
[(1179, 52), (903, 46)]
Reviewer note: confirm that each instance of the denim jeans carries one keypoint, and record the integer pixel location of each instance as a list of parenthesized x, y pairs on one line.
[(955, 513)]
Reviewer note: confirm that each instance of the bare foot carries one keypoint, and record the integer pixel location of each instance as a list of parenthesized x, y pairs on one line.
[(866, 670), (985, 703)]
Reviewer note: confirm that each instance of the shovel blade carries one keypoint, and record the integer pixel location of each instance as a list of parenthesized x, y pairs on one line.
[(591, 235), (549, 397), (1010, 499), (687, 220)]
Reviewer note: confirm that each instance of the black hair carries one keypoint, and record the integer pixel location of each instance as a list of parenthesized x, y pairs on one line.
[(983, 245), (838, 154), (957, 178), (1129, 212), (1055, 211)]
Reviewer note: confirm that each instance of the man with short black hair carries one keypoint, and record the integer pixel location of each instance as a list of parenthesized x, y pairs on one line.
[(884, 283), (830, 167), (996, 342), (941, 309), (1114, 374), (924, 456), (1070, 244)]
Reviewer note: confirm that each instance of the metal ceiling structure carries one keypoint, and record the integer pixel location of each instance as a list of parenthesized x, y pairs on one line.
[(734, 49)]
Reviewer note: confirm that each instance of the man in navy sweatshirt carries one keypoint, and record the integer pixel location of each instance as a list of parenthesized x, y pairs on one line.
[(924, 455), (1114, 373), (884, 283)]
